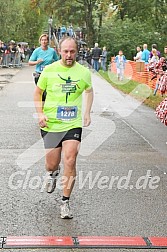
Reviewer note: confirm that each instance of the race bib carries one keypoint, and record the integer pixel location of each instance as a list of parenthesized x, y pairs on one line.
[(66, 112), (42, 67)]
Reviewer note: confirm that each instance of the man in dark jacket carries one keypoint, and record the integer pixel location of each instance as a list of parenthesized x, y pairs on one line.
[(96, 52)]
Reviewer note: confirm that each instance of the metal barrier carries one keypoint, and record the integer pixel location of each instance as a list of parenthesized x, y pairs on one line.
[(11, 60)]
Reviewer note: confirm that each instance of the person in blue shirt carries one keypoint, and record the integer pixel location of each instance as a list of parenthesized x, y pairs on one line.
[(120, 61), (41, 57), (63, 31), (145, 54)]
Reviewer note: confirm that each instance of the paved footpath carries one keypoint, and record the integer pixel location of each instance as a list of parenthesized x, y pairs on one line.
[(121, 188)]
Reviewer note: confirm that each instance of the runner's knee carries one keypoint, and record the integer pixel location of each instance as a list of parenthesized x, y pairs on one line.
[(51, 165), (70, 160)]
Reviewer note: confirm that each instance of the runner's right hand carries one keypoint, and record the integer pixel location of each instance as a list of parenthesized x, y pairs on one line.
[(42, 119)]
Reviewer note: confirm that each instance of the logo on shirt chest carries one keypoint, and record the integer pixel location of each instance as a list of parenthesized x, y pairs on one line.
[(69, 87)]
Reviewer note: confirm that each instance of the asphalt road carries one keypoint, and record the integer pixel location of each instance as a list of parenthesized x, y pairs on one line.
[(121, 188)]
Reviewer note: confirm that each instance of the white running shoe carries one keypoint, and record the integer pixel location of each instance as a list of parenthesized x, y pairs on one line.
[(51, 181), (65, 210)]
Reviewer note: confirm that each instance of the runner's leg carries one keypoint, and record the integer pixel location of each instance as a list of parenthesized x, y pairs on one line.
[(52, 159), (70, 150)]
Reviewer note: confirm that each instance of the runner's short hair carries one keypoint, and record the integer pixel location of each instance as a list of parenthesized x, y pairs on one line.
[(43, 35), (68, 38)]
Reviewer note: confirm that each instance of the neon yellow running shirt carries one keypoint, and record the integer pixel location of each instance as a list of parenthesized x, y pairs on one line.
[(64, 87)]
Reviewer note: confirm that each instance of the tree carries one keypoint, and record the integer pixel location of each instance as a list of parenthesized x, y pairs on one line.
[(31, 27), (125, 35), (145, 20), (77, 12), (19, 22), (81, 13), (102, 9), (134, 24), (10, 10), (127, 8)]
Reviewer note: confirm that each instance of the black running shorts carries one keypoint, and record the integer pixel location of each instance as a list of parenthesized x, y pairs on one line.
[(55, 139)]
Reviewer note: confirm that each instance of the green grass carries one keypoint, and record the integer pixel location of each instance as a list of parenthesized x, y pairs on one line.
[(132, 87)]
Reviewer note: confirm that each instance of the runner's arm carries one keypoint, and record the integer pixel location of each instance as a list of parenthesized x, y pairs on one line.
[(88, 105), (36, 62), (42, 119)]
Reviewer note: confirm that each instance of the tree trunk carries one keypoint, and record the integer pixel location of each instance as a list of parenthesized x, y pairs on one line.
[(100, 25), (90, 26)]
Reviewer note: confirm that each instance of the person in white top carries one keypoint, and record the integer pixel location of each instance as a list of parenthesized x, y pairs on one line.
[(138, 57), (155, 57)]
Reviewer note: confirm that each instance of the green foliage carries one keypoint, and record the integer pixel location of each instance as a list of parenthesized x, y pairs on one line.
[(32, 25), (10, 16), (78, 12), (66, 13), (86, 14), (114, 23), (140, 9), (126, 35), (20, 22)]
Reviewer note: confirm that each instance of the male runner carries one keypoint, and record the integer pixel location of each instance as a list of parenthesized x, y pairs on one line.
[(61, 118)]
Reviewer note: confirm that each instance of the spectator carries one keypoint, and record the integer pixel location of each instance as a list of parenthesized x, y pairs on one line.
[(70, 31), (145, 54), (104, 59), (12, 50), (31, 50), (21, 52), (77, 32), (161, 111), (138, 57), (58, 33), (63, 31), (52, 31), (154, 46), (55, 30), (6, 53), (120, 65), (165, 52), (96, 53), (1, 52), (50, 21), (81, 55), (154, 67), (160, 71), (155, 57), (88, 57)]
